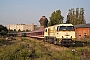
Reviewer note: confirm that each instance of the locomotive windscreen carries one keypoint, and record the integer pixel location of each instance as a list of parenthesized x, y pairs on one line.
[(65, 28)]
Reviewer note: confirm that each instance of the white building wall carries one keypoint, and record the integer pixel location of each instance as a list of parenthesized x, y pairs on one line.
[(22, 27), (12, 26)]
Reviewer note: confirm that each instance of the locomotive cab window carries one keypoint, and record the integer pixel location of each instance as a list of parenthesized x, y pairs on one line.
[(66, 27), (70, 27), (45, 30), (62, 27), (58, 28)]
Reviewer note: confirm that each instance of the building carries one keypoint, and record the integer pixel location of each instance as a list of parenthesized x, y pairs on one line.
[(43, 22), (21, 27), (82, 30)]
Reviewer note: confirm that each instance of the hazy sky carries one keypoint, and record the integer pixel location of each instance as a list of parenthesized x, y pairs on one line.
[(30, 11)]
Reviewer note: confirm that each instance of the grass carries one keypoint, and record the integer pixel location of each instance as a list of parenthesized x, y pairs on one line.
[(31, 49)]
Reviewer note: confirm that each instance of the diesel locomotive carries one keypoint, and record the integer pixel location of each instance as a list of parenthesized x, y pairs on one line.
[(61, 34)]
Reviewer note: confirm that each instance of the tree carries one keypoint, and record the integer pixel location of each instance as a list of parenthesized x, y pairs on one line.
[(23, 31), (71, 16), (3, 30), (56, 18), (14, 30), (27, 30), (81, 17), (19, 30), (76, 17), (3, 33)]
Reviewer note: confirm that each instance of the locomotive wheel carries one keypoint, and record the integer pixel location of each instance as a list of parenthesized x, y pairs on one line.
[(55, 42), (45, 39)]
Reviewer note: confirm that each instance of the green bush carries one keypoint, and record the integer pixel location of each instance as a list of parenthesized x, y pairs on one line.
[(26, 49)]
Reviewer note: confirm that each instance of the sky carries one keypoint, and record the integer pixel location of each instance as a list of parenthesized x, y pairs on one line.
[(30, 11)]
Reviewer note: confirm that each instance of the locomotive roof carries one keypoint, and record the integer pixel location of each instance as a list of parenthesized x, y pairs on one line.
[(65, 24)]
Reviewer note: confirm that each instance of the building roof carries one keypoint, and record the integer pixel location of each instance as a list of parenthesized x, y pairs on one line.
[(82, 26)]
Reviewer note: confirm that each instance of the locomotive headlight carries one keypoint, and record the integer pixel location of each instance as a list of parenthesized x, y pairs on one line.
[(66, 34), (60, 39), (73, 38)]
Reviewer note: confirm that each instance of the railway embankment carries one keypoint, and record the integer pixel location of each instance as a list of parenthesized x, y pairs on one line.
[(25, 48)]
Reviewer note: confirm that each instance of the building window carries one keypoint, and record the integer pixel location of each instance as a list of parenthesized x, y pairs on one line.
[(79, 34), (85, 35)]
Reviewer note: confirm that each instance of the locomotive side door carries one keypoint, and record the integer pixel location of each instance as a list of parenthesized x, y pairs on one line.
[(46, 32)]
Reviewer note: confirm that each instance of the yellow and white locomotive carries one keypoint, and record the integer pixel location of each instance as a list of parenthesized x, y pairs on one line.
[(62, 34)]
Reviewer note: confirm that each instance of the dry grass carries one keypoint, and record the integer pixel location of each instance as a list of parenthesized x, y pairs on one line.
[(27, 48)]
